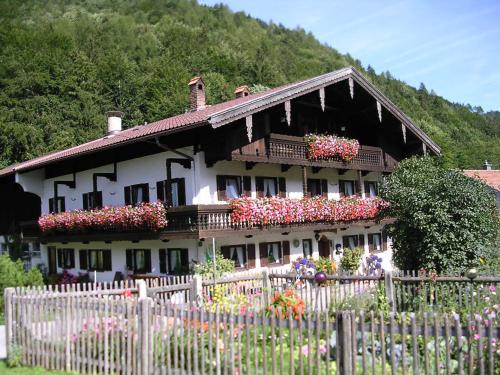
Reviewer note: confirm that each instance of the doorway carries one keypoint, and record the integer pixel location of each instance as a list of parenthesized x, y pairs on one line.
[(324, 247)]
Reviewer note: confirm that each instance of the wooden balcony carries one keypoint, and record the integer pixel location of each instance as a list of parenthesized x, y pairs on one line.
[(187, 222), (291, 150)]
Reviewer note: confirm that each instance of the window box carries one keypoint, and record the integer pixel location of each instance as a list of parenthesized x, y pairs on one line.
[(324, 147)]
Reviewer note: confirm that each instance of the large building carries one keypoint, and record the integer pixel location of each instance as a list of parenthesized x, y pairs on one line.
[(196, 163)]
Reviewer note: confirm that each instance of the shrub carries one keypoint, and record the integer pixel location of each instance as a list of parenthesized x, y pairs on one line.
[(222, 266), (326, 265), (351, 259)]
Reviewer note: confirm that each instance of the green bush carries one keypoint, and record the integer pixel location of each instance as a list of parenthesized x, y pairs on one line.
[(222, 266), (12, 274), (351, 259)]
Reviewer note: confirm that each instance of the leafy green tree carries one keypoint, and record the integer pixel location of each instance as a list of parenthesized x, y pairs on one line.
[(222, 266), (445, 221)]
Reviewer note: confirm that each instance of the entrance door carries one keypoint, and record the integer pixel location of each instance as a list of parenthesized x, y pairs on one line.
[(52, 260), (324, 247)]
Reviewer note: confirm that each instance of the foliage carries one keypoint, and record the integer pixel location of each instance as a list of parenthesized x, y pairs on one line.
[(374, 264), (445, 221), (286, 304), (222, 266), (326, 265), (5, 370), (351, 259), (64, 63), (329, 146), (12, 274), (228, 298), (15, 357), (304, 266)]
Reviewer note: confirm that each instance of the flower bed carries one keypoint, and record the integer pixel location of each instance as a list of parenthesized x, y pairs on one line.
[(146, 216), (275, 210), (330, 146)]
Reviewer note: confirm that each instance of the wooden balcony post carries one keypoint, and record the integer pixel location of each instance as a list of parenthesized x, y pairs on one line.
[(304, 181)]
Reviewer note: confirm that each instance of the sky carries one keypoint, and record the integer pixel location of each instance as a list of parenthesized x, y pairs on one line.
[(453, 47)]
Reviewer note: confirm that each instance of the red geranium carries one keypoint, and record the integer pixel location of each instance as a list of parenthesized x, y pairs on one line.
[(331, 147)]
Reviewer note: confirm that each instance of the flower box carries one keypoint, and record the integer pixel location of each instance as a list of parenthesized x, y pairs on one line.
[(324, 147)]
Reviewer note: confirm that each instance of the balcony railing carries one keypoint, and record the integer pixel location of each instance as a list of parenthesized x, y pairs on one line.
[(286, 149)]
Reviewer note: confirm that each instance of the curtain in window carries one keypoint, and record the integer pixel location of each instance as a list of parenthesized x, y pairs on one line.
[(349, 188), (232, 188), (373, 192), (175, 194), (174, 260), (140, 260), (139, 196), (236, 254), (95, 258), (352, 244), (307, 248), (273, 252), (377, 243), (269, 187)]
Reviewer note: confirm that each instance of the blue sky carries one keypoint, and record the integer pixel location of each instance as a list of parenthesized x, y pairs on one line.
[(451, 46)]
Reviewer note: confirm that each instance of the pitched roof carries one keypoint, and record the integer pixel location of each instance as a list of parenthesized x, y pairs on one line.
[(220, 114), (489, 177)]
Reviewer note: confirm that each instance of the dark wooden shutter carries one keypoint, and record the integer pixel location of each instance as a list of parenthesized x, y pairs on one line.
[(251, 255), (160, 191), (259, 186), (145, 193), (130, 259), (286, 252), (163, 260), (106, 260), (247, 186), (361, 240), (221, 188), (324, 188), (309, 187), (147, 257), (83, 260), (185, 260), (225, 251), (282, 187), (264, 256), (181, 191), (63, 204), (85, 198), (357, 187), (60, 261), (345, 242), (98, 199), (370, 242), (342, 188), (384, 240), (51, 205), (126, 192), (367, 188), (71, 253)]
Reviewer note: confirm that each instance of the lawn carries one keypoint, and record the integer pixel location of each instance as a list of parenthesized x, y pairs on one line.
[(4, 370)]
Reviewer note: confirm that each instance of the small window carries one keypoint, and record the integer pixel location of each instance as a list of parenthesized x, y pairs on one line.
[(178, 192), (4, 248), (178, 261), (347, 188), (274, 254), (375, 242), (353, 241), (98, 260), (237, 253), (136, 194), (307, 249), (317, 187), (270, 187), (231, 187), (66, 258), (371, 189), (59, 206), (139, 260), (92, 200)]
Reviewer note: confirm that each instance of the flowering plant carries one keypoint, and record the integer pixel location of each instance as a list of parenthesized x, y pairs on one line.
[(374, 264), (287, 304), (146, 216), (304, 266), (329, 146), (276, 210), (326, 265)]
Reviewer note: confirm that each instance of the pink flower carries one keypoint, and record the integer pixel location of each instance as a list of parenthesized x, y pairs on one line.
[(322, 349), (476, 337), (305, 350)]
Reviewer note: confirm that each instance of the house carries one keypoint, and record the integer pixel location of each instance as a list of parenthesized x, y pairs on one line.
[(489, 176), (196, 163)]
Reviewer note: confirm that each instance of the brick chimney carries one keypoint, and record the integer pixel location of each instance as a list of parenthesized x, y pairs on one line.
[(241, 91), (196, 94), (487, 165)]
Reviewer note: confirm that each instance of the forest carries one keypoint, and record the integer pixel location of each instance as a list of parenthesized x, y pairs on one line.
[(64, 63)]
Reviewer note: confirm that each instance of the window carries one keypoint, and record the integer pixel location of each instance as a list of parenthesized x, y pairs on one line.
[(95, 260), (375, 242), (139, 260), (270, 186), (59, 207), (347, 188), (307, 248), (273, 252), (231, 187), (237, 253), (35, 249), (371, 189), (66, 258), (178, 261), (353, 241), (92, 200), (4, 248), (136, 194), (316, 187), (178, 191)]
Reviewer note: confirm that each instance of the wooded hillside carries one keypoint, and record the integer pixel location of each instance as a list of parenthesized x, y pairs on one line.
[(63, 64)]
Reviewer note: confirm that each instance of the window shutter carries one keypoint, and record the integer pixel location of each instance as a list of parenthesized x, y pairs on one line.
[(71, 253), (98, 199), (185, 260), (147, 255), (342, 188), (130, 259), (126, 191), (83, 260), (181, 187), (367, 188), (345, 242), (221, 188), (264, 258), (63, 204), (51, 205), (106, 260), (370, 242), (163, 261), (247, 186), (384, 240), (361, 240), (309, 187), (324, 188), (259, 186), (357, 187), (282, 187), (225, 251), (251, 255), (85, 198), (60, 262), (145, 192), (286, 252), (160, 191)]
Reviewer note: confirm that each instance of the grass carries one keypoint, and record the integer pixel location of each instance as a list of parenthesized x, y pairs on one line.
[(4, 370)]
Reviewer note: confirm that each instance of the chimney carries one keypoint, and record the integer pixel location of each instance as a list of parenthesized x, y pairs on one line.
[(114, 122), (196, 94), (487, 165), (241, 91)]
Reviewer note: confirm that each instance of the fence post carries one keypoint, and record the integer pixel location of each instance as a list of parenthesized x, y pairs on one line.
[(8, 293), (142, 289), (344, 346), (266, 287), (389, 290), (145, 332), (196, 292)]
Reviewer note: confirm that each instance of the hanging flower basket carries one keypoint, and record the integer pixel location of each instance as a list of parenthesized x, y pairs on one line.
[(146, 216), (324, 147)]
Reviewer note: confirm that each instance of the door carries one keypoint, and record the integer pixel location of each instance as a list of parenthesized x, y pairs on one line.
[(52, 260), (324, 247)]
